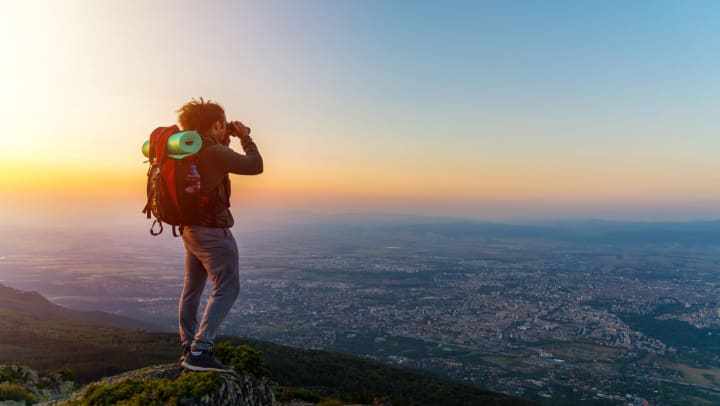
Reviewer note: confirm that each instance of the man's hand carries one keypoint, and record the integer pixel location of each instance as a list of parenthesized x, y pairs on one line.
[(238, 129)]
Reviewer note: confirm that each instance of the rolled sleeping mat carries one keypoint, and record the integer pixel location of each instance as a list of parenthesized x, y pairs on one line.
[(179, 145)]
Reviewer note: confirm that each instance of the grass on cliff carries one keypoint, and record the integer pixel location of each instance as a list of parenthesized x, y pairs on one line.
[(189, 385), (13, 391), (151, 391), (21, 384)]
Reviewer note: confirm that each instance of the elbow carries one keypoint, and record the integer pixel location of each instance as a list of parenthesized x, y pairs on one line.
[(259, 167)]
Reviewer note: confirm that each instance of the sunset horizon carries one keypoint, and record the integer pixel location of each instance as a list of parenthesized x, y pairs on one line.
[(490, 111)]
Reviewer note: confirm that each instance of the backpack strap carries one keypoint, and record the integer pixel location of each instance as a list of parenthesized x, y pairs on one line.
[(159, 223)]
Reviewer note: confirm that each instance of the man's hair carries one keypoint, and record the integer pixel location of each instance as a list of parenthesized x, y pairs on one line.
[(199, 115)]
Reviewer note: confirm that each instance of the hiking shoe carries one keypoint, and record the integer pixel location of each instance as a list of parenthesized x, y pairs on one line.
[(204, 362), (186, 351)]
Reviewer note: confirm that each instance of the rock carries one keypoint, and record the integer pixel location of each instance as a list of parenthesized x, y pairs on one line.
[(233, 389), (241, 390)]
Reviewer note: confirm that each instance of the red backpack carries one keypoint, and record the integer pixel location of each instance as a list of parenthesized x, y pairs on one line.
[(173, 185)]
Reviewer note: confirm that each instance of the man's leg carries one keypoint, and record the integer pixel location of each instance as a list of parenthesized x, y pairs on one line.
[(195, 277), (217, 250)]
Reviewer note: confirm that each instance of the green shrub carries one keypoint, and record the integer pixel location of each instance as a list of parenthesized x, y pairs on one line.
[(153, 391), (13, 391), (11, 373), (243, 358), (330, 402), (65, 373)]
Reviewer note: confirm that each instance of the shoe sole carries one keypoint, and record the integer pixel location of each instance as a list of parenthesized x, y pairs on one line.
[(197, 368)]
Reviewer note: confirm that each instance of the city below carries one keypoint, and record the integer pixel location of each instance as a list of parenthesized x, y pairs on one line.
[(598, 312)]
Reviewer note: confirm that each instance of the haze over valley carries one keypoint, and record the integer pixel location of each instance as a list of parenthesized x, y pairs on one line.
[(585, 310)]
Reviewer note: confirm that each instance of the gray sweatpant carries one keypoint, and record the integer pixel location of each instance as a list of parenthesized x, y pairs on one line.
[(209, 252)]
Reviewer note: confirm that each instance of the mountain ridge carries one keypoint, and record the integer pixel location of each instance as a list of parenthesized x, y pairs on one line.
[(35, 304)]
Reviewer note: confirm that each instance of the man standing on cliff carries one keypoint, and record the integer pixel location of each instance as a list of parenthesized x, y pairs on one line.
[(210, 249)]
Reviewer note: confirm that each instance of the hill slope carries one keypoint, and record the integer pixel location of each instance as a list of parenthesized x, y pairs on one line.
[(34, 304), (93, 351)]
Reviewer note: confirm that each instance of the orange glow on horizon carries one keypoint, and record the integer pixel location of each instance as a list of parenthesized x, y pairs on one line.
[(68, 183)]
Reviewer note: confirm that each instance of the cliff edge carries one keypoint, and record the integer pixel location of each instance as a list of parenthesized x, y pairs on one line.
[(170, 384)]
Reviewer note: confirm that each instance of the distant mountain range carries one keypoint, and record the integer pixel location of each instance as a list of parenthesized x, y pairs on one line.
[(44, 336), (584, 231), (590, 231)]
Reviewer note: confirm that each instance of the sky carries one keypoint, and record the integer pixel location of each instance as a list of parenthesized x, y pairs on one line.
[(492, 110)]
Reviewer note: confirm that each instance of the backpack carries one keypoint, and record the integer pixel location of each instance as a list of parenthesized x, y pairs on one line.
[(167, 177)]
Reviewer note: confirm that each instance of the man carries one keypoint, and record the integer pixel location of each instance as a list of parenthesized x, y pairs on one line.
[(210, 249)]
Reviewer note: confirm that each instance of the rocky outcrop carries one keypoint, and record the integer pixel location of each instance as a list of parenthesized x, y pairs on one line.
[(20, 385), (214, 389)]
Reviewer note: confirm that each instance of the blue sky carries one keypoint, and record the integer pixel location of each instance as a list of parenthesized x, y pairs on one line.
[(500, 109)]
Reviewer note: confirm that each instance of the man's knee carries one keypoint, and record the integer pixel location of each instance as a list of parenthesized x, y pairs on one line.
[(227, 285)]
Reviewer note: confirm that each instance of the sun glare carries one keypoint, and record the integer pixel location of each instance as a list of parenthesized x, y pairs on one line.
[(35, 39)]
